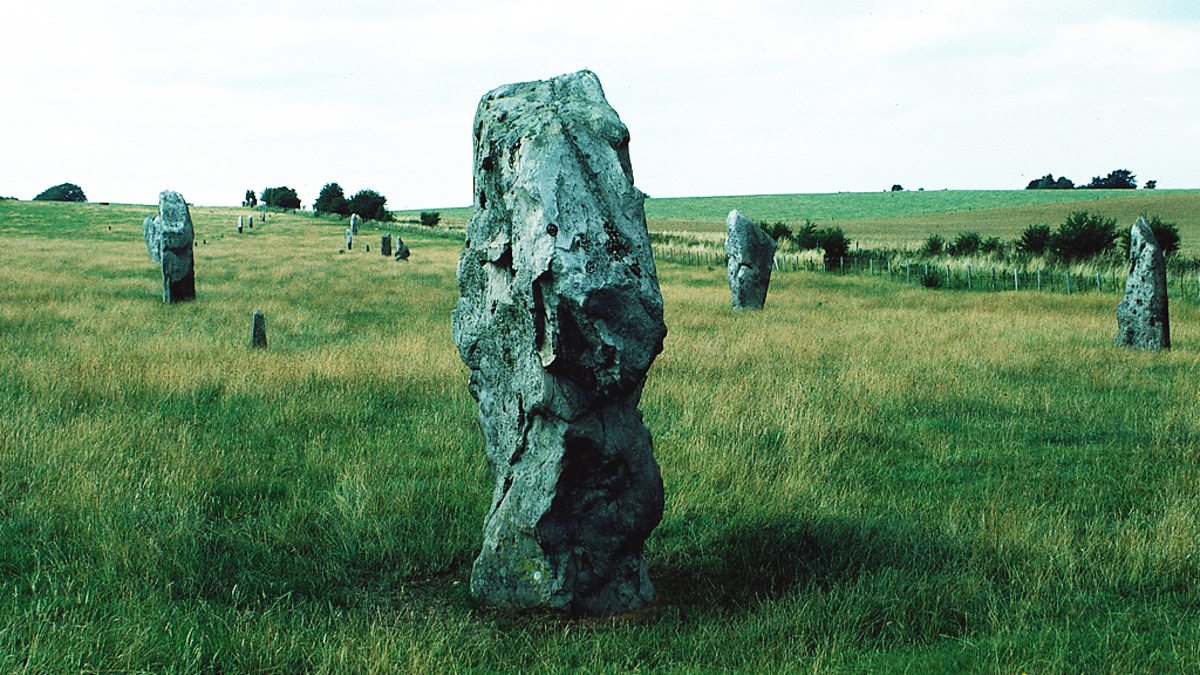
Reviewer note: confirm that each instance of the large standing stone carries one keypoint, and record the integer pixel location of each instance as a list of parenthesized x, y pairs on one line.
[(385, 244), (354, 220), (559, 319), (402, 252), (1142, 318), (749, 256), (349, 239), (169, 238)]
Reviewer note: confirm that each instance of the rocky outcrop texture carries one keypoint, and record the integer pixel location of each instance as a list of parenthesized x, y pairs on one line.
[(169, 239), (559, 319), (749, 256), (1142, 318)]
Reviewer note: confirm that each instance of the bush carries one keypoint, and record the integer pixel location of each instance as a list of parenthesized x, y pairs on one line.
[(370, 205), (992, 245), (934, 245), (430, 218), (1166, 233), (965, 243), (1034, 240), (897, 188), (931, 279), (1082, 236), (281, 197), (332, 200), (1150, 184), (807, 236), (777, 230), (65, 192), (250, 200), (833, 241)]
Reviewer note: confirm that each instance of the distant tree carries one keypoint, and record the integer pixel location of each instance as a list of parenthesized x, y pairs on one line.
[(1150, 184), (281, 197), (332, 200), (807, 236), (1121, 179), (934, 245), (1048, 182), (64, 192), (897, 188), (1034, 240), (430, 218), (370, 205), (965, 243), (250, 200), (1082, 236), (1166, 233)]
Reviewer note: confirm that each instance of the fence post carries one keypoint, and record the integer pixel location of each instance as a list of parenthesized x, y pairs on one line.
[(968, 277), (870, 267), (1039, 280), (890, 273), (1098, 288), (1068, 282), (1016, 280), (842, 263), (993, 278), (907, 271)]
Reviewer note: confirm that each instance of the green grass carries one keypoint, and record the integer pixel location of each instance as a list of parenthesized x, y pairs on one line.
[(863, 477), (905, 219)]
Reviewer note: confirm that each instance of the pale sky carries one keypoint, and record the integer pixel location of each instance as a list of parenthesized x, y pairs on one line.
[(127, 98)]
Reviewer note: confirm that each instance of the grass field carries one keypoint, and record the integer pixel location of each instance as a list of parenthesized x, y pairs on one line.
[(905, 219), (864, 477)]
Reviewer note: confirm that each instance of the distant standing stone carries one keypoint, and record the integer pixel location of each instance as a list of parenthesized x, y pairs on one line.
[(1142, 318), (258, 330), (402, 251), (349, 239), (750, 254), (558, 320), (385, 244), (354, 223), (169, 240)]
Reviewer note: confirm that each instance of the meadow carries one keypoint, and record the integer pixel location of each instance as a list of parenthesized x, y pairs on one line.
[(867, 476), (905, 219)]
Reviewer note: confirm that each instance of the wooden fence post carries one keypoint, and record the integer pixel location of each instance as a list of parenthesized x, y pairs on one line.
[(993, 278), (1098, 288), (1016, 280), (968, 277), (1068, 282), (1039, 280)]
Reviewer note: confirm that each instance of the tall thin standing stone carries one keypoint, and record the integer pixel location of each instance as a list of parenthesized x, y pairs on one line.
[(354, 220), (349, 239), (169, 241), (750, 254), (559, 319), (258, 330), (1143, 321)]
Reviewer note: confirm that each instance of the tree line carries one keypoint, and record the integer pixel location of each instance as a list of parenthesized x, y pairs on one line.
[(1119, 179)]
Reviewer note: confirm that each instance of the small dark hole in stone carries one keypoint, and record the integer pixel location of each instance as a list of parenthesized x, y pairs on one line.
[(488, 163)]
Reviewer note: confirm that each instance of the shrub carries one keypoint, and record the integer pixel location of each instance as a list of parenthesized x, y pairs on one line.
[(1082, 236), (934, 245), (807, 236), (931, 279), (1048, 182), (1150, 184), (332, 200), (1034, 239), (992, 245), (281, 197), (1121, 179), (777, 230), (833, 241), (430, 218), (370, 205), (897, 188), (965, 243), (65, 192), (250, 200), (1165, 232)]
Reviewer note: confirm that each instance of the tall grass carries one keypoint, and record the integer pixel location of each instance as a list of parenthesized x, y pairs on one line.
[(862, 477)]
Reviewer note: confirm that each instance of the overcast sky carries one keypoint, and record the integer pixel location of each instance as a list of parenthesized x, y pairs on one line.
[(127, 98)]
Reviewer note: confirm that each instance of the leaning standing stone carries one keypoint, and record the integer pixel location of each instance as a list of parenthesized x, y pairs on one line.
[(749, 254), (385, 244), (258, 330), (1142, 317), (169, 239), (559, 319)]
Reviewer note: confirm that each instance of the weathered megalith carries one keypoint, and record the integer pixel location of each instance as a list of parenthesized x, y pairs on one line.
[(559, 319), (258, 330), (354, 220), (385, 244), (349, 239), (169, 238), (749, 256), (1142, 318), (402, 252)]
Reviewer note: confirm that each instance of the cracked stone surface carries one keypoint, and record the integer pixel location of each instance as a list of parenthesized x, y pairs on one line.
[(1142, 318), (169, 239), (749, 255), (559, 319)]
